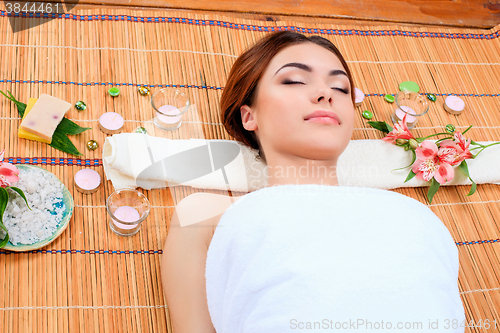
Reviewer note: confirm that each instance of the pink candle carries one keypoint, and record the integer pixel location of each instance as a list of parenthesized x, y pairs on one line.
[(168, 110), (87, 181), (454, 105), (126, 214), (111, 123), (359, 96), (409, 111)]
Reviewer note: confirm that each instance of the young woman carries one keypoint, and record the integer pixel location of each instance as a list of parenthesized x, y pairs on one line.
[(304, 253)]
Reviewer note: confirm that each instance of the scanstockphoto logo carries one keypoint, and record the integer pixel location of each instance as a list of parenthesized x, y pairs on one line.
[(206, 163), (190, 164), (24, 15)]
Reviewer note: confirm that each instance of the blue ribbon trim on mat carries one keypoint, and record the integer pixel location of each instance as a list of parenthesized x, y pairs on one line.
[(161, 251), (89, 252), (114, 84), (54, 161), (230, 25), (479, 242), (200, 87), (443, 94)]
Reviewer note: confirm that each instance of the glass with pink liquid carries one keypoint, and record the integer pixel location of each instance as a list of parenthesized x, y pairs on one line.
[(412, 104), (169, 105), (127, 209)]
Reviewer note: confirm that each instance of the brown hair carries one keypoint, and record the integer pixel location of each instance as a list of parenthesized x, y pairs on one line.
[(246, 72)]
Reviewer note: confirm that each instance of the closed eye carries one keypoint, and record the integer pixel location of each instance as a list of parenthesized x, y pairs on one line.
[(345, 91), (292, 82)]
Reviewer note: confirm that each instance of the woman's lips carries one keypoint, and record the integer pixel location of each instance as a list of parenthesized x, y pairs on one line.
[(323, 120), (323, 117)]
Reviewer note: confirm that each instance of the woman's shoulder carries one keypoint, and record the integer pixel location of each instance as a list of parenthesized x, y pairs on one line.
[(204, 208)]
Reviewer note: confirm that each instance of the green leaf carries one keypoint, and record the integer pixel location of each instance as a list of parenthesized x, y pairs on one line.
[(20, 106), (432, 189), (61, 142), (414, 158), (410, 175), (412, 161), (6, 95), (472, 188), (4, 198), (465, 169), (4, 241), (21, 193), (66, 126), (381, 126), (463, 166), (3, 226)]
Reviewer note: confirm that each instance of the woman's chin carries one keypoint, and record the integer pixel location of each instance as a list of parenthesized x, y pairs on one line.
[(330, 153)]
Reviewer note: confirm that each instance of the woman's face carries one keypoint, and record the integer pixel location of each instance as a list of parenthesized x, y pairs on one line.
[(300, 80)]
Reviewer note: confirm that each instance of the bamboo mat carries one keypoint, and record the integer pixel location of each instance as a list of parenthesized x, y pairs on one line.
[(89, 279)]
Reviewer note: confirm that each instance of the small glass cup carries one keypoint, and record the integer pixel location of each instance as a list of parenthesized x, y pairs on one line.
[(127, 209), (412, 104), (169, 105)]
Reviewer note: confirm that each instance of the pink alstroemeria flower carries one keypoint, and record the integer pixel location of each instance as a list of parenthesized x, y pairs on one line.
[(400, 131), (429, 164), (449, 155), (456, 150), (8, 172), (464, 144)]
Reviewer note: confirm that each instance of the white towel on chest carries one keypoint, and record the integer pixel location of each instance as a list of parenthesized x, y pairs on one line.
[(287, 256)]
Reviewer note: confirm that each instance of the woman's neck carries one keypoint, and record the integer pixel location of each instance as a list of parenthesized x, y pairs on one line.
[(301, 171)]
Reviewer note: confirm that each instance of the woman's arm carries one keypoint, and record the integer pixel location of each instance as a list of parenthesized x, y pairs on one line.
[(184, 258), (183, 275)]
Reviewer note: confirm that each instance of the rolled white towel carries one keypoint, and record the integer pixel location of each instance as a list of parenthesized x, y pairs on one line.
[(128, 160)]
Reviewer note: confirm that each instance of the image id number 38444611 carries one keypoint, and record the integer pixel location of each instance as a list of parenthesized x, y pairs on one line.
[(33, 7)]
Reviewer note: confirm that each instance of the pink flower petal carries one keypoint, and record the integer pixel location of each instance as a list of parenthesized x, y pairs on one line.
[(448, 144), (9, 172), (466, 154), (426, 151), (415, 166), (4, 182), (462, 142), (10, 167), (420, 175), (444, 173)]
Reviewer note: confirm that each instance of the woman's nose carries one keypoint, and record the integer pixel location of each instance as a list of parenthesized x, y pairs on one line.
[(326, 98), (323, 94)]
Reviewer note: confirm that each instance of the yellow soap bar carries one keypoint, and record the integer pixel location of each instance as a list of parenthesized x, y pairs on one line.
[(45, 115), (25, 134)]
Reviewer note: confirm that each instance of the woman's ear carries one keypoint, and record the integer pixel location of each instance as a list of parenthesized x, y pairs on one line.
[(248, 118)]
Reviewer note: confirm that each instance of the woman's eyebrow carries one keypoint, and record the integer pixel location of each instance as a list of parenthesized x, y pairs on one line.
[(307, 68)]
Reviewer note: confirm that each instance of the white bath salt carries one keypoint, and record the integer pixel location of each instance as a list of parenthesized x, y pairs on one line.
[(44, 193)]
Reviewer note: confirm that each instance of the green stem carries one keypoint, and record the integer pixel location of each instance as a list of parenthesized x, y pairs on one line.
[(468, 128), (430, 136), (442, 139), (484, 147)]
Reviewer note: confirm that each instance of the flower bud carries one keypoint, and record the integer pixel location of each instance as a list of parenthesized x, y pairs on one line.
[(401, 141), (413, 144), (407, 148)]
